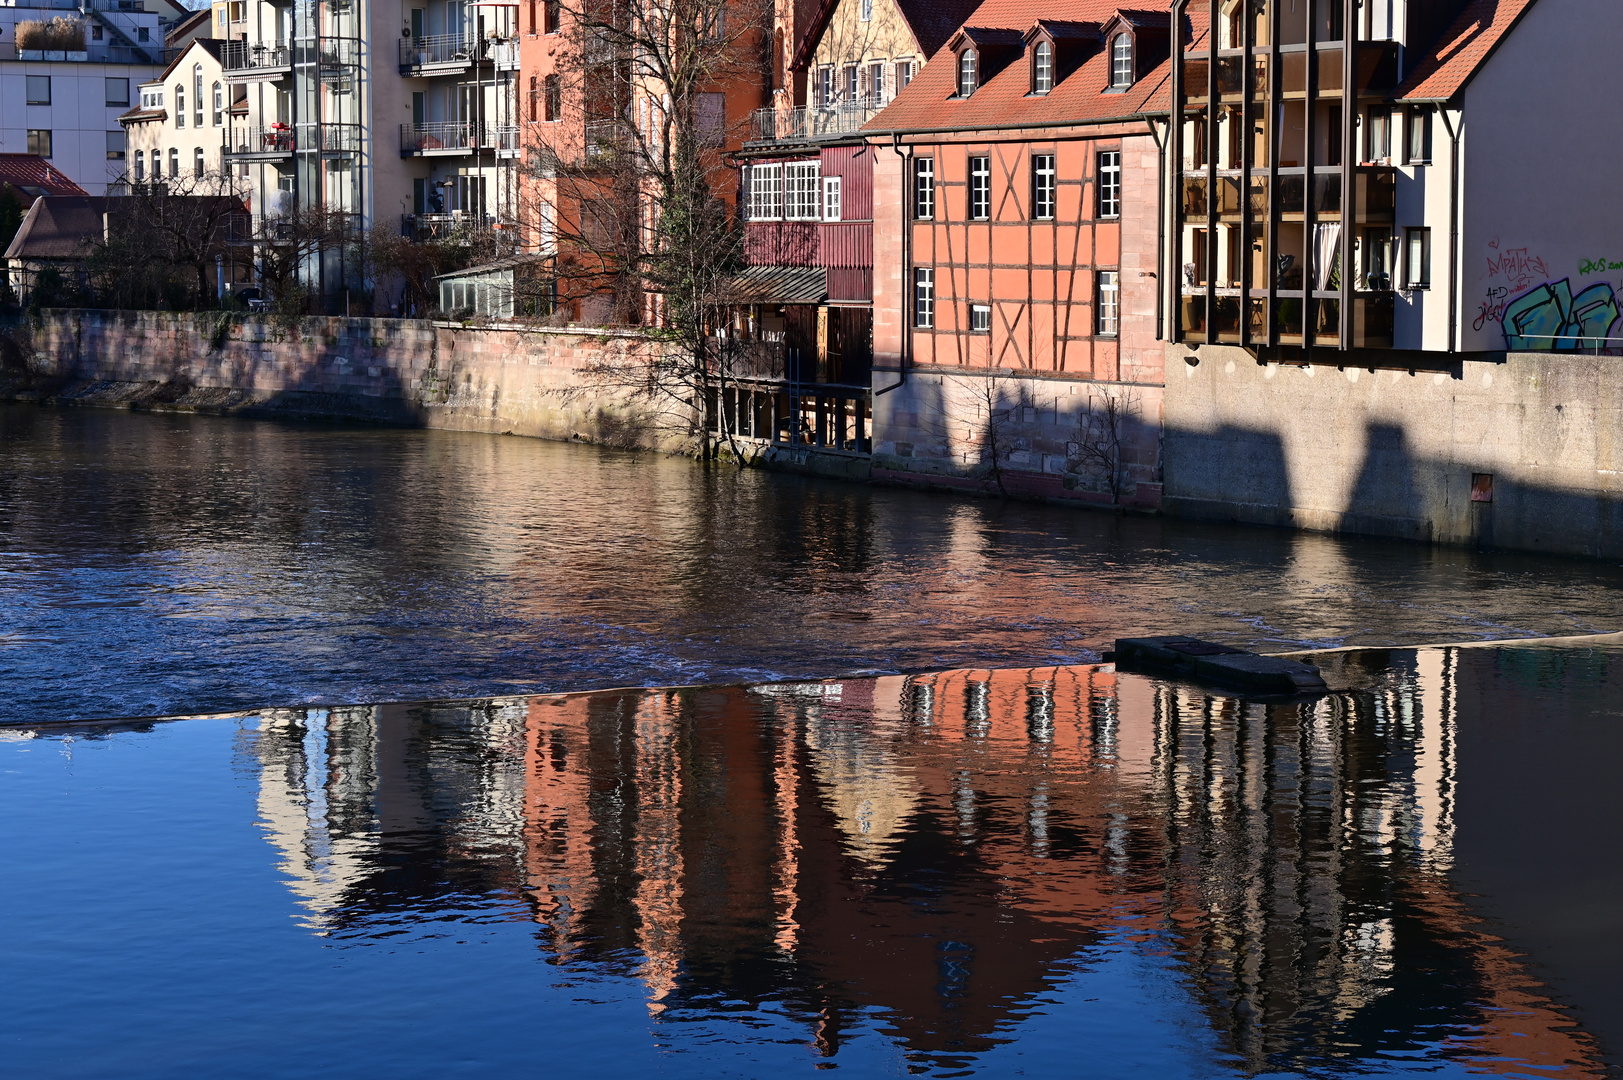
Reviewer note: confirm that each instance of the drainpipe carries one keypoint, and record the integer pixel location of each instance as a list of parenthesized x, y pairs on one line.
[(907, 252), (1160, 223), (1453, 223)]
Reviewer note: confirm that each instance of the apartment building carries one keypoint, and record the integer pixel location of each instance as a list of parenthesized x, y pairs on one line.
[(395, 117), (176, 130), (72, 71), (1342, 180)]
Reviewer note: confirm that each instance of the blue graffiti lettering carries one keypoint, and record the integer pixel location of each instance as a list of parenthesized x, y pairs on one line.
[(1550, 319)]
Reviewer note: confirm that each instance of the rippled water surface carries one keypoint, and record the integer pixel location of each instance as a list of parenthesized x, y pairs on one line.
[(1040, 872), (156, 564)]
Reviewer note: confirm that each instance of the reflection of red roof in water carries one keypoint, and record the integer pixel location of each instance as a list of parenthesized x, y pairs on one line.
[(35, 176)]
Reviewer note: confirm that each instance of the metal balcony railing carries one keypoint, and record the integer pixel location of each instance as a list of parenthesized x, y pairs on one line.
[(442, 49), (440, 226), (239, 57), (271, 139), (449, 136), (814, 121)]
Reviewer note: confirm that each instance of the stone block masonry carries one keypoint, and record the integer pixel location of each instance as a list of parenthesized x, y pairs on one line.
[(521, 380), (1521, 451)]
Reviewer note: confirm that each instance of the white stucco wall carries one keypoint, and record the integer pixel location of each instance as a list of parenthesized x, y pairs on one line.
[(1541, 173)]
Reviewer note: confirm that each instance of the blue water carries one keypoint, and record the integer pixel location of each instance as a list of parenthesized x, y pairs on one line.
[(160, 564), (968, 873)]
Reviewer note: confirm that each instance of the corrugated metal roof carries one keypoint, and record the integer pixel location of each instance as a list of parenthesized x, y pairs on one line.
[(782, 285)]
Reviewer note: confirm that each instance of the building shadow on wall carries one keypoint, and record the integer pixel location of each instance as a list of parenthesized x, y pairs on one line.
[(1234, 473)]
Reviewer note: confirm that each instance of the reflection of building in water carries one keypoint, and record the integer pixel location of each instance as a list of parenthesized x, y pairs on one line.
[(939, 848)]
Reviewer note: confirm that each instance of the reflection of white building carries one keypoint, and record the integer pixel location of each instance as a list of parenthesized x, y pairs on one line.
[(63, 103), (402, 117)]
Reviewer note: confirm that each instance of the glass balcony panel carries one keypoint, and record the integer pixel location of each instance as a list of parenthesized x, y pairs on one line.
[(1376, 192), (1372, 321), (1293, 73), (1288, 319), (1256, 318), (1330, 81), (1192, 315), (1378, 68), (1226, 318), (1194, 80), (1258, 87), (1195, 203), (1326, 195), (1257, 196), (1327, 323), (1291, 189), (1230, 75)]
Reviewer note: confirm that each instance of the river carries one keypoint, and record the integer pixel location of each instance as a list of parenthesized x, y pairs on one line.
[(159, 564)]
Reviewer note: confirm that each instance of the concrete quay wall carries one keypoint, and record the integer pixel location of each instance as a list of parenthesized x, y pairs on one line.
[(1042, 436), (1521, 451), (520, 380)]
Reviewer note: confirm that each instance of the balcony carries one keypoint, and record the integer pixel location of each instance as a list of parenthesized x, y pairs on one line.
[(814, 122), (279, 141), (453, 138), (265, 143), (450, 54), (244, 62), (424, 227)]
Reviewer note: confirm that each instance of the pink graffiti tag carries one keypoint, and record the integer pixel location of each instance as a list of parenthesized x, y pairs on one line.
[(1517, 267)]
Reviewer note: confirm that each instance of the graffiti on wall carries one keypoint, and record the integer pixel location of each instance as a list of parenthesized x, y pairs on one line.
[(1539, 315), (1549, 318)]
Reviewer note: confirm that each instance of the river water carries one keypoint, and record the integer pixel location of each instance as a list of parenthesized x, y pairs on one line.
[(1043, 872), (158, 564)]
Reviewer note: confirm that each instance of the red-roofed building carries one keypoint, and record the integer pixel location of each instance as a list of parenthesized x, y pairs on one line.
[(31, 176), (1015, 190)]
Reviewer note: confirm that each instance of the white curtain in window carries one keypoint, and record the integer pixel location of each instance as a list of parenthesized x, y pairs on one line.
[(1326, 255)]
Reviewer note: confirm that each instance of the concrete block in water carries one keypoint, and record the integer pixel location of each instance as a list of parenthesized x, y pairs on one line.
[(1207, 661)]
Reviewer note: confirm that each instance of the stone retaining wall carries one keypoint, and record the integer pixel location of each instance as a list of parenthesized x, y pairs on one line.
[(522, 380)]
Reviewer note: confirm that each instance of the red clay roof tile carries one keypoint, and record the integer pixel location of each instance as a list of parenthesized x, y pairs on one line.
[(1005, 100), (1462, 50)]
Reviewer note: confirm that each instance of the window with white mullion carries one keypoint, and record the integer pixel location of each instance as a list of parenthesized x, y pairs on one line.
[(803, 196), (766, 192)]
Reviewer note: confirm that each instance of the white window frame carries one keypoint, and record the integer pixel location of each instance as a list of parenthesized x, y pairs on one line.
[(1417, 258), (980, 188), (1110, 183), (219, 104), (980, 318), (968, 73), (825, 86), (1044, 187), (1107, 317), (766, 192), (832, 202), (924, 189), (924, 298), (866, 11), (1121, 60), (1418, 119), (1042, 68), (802, 191), (904, 74), (853, 81)]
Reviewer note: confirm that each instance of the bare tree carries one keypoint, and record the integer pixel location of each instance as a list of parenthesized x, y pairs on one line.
[(161, 240), (285, 246), (635, 197), (414, 264), (1102, 428)]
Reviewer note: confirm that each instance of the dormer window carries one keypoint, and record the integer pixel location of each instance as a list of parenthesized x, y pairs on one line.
[(966, 73), (1121, 61), (1042, 68)]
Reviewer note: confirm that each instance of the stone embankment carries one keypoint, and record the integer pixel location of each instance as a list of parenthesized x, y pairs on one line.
[(551, 383)]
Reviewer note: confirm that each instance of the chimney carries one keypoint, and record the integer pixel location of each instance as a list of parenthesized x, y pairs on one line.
[(107, 228)]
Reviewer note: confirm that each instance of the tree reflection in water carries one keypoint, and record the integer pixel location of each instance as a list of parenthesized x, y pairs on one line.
[(939, 851)]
